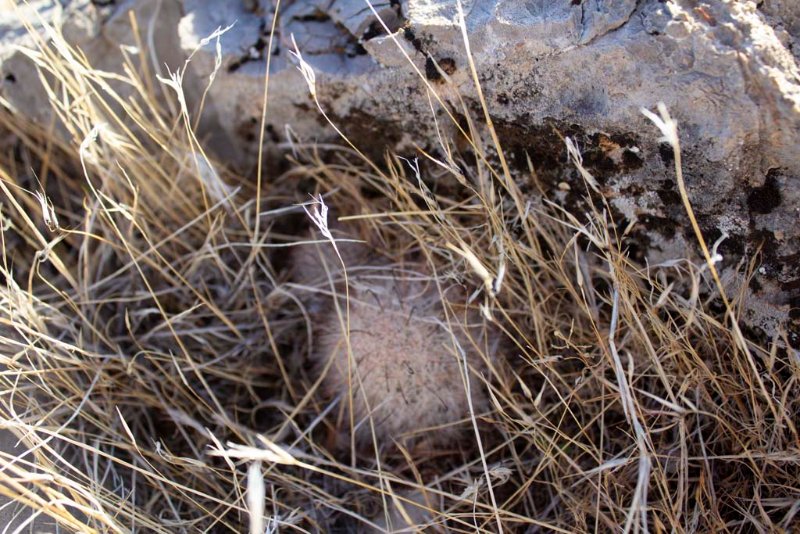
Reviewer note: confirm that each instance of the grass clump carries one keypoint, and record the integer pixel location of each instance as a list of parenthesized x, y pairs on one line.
[(168, 369)]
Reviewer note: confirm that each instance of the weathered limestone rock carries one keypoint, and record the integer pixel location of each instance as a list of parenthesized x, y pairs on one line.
[(784, 17), (725, 69), (100, 31), (584, 68)]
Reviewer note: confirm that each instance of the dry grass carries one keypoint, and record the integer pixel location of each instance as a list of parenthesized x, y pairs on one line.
[(156, 348)]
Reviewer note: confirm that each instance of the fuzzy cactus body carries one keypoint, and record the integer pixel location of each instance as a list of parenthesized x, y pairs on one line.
[(407, 370)]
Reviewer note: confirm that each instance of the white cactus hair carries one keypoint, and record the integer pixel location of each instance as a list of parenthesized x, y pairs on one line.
[(407, 379)]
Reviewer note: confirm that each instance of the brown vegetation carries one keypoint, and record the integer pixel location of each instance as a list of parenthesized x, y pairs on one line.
[(158, 353)]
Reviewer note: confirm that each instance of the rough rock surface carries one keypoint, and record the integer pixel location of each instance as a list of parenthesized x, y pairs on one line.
[(100, 32), (726, 70), (784, 17)]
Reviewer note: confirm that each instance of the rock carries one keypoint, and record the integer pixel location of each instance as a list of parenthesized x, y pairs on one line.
[(581, 68), (784, 17), (99, 32), (19, 81)]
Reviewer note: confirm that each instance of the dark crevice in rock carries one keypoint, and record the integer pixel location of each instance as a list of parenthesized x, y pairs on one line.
[(392, 23), (605, 155), (608, 31), (667, 154), (373, 137), (668, 194), (762, 200), (433, 68), (412, 38), (316, 16), (375, 29), (256, 51)]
